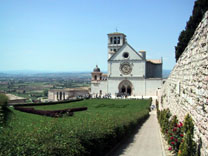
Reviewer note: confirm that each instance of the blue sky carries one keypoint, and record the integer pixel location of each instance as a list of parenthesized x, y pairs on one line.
[(71, 35)]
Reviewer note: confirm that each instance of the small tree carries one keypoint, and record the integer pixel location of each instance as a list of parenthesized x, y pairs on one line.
[(164, 119), (188, 146), (188, 124), (4, 111)]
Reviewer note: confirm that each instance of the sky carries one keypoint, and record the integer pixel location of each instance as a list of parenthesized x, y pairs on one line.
[(71, 35)]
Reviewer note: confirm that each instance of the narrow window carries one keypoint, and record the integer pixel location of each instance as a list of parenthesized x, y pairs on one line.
[(115, 40), (114, 50), (111, 40), (95, 77), (118, 40)]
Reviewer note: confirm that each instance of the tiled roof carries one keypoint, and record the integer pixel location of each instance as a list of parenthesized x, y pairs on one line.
[(116, 33), (14, 97), (155, 61)]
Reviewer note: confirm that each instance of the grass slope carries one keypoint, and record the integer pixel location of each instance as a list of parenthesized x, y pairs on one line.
[(91, 132)]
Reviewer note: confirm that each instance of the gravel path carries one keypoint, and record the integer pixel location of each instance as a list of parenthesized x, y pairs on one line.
[(146, 142)]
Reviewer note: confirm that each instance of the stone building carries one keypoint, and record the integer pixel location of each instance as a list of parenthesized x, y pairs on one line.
[(130, 73), (13, 99), (67, 93)]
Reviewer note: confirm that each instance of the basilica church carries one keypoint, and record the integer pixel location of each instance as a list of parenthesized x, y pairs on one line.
[(130, 73)]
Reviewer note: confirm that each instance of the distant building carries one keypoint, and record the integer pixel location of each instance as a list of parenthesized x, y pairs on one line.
[(129, 72), (64, 94), (13, 99)]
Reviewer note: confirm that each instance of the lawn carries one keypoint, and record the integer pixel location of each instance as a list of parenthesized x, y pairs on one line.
[(91, 132)]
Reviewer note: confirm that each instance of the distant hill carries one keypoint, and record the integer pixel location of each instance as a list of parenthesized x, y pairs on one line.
[(166, 73), (45, 74)]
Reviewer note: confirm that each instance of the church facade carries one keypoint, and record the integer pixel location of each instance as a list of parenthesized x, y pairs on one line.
[(129, 72)]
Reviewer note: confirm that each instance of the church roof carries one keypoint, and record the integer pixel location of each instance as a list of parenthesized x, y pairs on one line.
[(126, 44), (116, 33), (155, 61)]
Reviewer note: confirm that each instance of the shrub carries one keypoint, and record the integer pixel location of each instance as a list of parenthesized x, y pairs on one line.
[(175, 134), (4, 111), (188, 146), (55, 113), (164, 117), (188, 124), (178, 135)]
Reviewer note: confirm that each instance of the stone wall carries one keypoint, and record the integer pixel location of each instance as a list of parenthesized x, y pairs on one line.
[(186, 89)]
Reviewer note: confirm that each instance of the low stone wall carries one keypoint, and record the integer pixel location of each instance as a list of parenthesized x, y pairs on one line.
[(186, 89)]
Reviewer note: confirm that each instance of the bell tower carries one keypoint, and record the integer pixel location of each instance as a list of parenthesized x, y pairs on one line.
[(115, 41)]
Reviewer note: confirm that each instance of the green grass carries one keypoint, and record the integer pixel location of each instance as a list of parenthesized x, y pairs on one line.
[(86, 133)]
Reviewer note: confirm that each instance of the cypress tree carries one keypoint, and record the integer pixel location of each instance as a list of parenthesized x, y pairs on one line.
[(200, 7)]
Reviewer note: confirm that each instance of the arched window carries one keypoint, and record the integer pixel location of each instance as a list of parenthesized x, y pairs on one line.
[(95, 77), (115, 40), (111, 40), (114, 50), (118, 40)]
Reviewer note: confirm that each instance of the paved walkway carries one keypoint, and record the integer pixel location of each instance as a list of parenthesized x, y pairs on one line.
[(146, 141)]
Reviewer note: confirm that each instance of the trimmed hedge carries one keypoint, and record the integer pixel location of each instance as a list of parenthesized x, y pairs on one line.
[(55, 113)]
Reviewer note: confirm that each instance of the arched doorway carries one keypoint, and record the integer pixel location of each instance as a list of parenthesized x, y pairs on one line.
[(129, 90), (125, 88)]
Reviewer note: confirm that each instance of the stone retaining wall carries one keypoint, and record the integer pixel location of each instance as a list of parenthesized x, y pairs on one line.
[(186, 89)]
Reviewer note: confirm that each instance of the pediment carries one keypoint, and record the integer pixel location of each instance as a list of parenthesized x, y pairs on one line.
[(125, 50)]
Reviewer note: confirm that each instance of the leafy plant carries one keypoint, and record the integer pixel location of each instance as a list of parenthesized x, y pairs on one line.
[(175, 133), (188, 146)]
